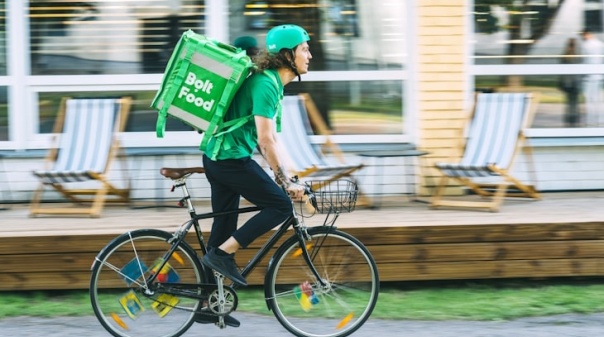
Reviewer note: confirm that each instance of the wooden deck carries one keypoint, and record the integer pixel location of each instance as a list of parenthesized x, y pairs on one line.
[(561, 235)]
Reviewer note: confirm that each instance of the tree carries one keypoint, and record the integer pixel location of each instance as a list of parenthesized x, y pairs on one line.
[(526, 16), (528, 20)]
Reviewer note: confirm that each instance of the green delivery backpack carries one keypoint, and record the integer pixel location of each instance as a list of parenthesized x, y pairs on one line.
[(199, 83)]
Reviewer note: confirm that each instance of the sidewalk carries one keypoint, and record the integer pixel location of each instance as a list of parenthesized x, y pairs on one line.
[(263, 326)]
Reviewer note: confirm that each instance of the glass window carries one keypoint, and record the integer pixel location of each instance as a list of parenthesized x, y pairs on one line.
[(345, 34), (3, 113), (141, 118), (556, 106), (2, 37), (356, 107), (521, 32), (553, 37), (108, 36), (350, 36)]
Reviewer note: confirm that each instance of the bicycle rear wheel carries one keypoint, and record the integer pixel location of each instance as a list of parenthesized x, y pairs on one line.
[(124, 304), (303, 305)]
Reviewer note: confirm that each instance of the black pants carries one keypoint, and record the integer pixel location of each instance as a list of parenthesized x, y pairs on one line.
[(235, 178)]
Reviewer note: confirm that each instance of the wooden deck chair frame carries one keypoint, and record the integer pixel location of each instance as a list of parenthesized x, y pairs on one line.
[(304, 159), (319, 124), (479, 162), (319, 127), (65, 182)]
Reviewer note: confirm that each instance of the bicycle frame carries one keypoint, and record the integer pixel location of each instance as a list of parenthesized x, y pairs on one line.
[(313, 272), (179, 236)]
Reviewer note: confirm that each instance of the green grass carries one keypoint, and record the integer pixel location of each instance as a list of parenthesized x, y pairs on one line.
[(491, 301), (480, 300)]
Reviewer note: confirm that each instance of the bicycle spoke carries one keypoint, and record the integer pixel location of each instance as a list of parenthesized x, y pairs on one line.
[(123, 302), (140, 267), (337, 304)]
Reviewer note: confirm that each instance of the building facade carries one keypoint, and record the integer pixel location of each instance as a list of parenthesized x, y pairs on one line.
[(382, 75)]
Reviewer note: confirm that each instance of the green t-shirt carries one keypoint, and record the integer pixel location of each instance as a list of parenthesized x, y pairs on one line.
[(257, 96)]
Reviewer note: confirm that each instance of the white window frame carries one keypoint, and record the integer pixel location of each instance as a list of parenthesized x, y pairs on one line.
[(24, 88), (564, 134)]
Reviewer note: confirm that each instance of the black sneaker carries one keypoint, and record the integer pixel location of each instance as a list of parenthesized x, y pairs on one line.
[(209, 318), (224, 264)]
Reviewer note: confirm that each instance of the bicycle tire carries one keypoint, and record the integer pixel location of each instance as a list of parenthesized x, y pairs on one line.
[(117, 285), (309, 309)]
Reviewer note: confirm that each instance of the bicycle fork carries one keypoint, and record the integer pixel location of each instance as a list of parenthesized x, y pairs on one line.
[(303, 238)]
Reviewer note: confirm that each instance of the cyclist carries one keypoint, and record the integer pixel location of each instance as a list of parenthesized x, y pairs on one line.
[(232, 173)]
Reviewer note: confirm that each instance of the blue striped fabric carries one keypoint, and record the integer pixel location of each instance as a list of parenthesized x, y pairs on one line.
[(498, 120), (85, 142), (297, 145)]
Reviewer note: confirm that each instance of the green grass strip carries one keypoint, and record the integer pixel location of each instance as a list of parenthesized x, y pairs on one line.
[(484, 300)]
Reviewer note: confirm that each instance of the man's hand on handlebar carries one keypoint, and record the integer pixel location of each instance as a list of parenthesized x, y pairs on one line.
[(295, 191)]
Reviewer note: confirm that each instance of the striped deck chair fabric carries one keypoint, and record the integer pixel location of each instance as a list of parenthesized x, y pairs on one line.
[(87, 143), (494, 137), (302, 158)]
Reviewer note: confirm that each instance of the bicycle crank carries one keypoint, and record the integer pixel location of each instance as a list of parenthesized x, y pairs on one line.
[(225, 304)]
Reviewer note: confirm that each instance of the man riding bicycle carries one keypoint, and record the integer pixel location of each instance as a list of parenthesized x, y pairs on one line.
[(230, 169)]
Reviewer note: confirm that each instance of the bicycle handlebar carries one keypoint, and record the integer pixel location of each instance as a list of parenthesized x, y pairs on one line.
[(308, 191), (311, 195)]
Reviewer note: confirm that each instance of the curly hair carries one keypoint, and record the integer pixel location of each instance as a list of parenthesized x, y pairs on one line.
[(264, 60)]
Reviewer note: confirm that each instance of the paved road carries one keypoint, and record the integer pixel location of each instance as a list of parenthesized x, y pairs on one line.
[(264, 326)]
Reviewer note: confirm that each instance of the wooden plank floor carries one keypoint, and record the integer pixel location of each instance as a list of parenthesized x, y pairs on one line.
[(561, 235)]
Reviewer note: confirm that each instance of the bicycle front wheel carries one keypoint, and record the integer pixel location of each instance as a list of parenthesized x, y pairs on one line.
[(123, 302), (337, 304)]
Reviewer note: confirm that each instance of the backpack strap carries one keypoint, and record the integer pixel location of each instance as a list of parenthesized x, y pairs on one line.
[(239, 122), (160, 126), (280, 103), (215, 128), (226, 128)]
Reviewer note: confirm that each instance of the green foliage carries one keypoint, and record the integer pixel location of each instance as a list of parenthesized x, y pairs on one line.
[(485, 21), (540, 15)]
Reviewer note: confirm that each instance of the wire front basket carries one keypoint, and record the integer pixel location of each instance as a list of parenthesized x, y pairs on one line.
[(334, 196)]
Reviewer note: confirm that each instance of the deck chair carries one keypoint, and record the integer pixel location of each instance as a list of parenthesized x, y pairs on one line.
[(302, 158), (494, 137), (86, 145)]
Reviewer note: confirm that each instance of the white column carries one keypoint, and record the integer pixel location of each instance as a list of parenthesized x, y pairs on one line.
[(217, 20), (20, 106)]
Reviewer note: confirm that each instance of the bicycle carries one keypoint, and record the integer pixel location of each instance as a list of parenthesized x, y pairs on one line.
[(319, 282)]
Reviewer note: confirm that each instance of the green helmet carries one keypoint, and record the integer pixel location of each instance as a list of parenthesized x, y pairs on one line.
[(285, 36)]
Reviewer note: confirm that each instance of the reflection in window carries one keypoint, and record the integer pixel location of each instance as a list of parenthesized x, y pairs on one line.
[(356, 107), (3, 113), (592, 15), (141, 118), (345, 34), (107, 36), (556, 108), (519, 32), (2, 37)]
